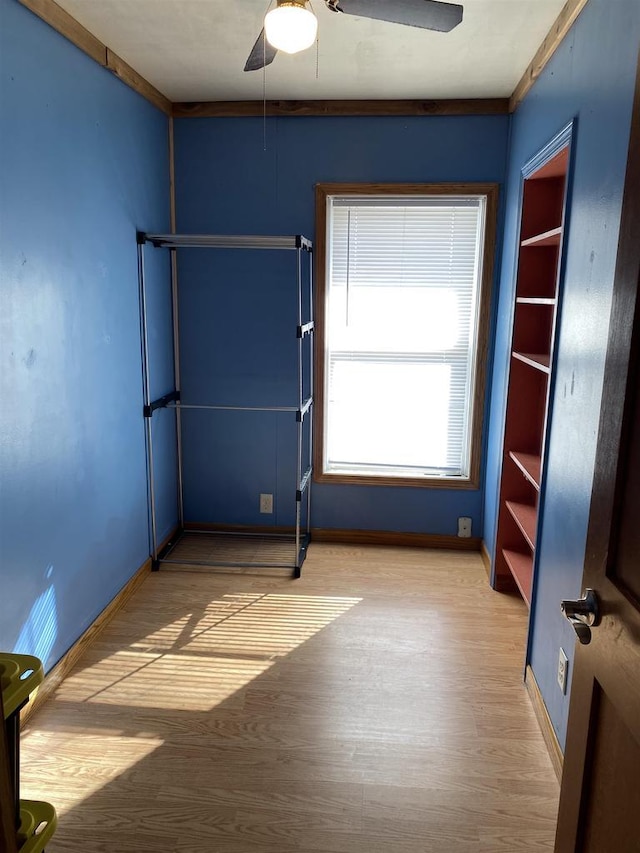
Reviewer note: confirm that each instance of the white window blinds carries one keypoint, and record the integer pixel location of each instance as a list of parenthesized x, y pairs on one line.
[(400, 349)]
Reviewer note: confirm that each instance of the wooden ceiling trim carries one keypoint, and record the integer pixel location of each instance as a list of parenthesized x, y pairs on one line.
[(235, 109), (130, 76), (555, 36), (54, 15), (67, 26)]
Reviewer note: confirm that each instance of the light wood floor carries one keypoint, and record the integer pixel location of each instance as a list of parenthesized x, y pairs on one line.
[(375, 705)]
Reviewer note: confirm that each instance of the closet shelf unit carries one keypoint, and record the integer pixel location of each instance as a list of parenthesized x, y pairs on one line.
[(531, 367), (235, 548)]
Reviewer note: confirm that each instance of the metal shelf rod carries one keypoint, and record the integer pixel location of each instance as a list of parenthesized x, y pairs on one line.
[(300, 415), (146, 394), (235, 408), (227, 563), (175, 319), (225, 241), (304, 482)]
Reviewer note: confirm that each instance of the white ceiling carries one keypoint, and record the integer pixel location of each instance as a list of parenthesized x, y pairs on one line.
[(195, 50)]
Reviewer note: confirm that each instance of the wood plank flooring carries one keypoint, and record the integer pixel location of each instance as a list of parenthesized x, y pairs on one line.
[(376, 705)]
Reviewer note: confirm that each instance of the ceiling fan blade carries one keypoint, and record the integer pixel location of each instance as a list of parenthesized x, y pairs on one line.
[(427, 14), (262, 54)]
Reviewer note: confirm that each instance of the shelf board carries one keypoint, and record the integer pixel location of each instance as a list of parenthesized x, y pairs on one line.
[(547, 238), (525, 517), (521, 567), (536, 300), (540, 361), (529, 464), (225, 241)]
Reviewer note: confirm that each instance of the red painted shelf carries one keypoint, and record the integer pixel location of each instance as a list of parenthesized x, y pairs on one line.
[(521, 567), (539, 361), (536, 301), (530, 465), (526, 517), (547, 238)]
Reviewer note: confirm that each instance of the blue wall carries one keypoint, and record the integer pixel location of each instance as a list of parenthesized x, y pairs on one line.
[(591, 77), (227, 183), (83, 163)]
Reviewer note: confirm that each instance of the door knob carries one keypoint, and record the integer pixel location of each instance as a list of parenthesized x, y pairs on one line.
[(583, 613)]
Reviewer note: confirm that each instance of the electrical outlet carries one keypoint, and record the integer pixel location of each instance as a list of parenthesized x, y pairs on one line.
[(266, 503), (563, 670), (464, 527)]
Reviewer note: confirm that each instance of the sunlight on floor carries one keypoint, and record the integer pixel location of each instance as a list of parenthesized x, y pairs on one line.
[(176, 681), (192, 664), (205, 657), (102, 758)]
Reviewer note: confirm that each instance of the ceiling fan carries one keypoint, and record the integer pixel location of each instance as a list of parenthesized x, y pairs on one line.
[(291, 26)]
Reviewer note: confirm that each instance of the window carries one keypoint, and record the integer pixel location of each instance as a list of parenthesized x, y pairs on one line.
[(403, 286)]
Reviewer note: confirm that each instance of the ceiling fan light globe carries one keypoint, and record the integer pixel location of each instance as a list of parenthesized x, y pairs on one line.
[(290, 27)]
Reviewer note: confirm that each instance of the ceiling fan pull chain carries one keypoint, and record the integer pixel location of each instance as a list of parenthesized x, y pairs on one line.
[(317, 59), (264, 95), (264, 84), (264, 88), (317, 45)]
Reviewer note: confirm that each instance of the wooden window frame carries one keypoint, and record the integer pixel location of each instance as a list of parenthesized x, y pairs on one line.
[(323, 191)]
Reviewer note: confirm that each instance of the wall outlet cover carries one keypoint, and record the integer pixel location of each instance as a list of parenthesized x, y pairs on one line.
[(464, 527), (563, 670), (266, 503)]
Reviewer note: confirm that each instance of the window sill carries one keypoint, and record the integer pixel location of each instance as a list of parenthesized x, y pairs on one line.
[(468, 483)]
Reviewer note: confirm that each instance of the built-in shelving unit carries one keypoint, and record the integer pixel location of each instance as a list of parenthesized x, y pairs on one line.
[(536, 301)]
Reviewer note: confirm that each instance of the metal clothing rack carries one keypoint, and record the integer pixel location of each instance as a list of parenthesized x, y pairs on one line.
[(286, 550)]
